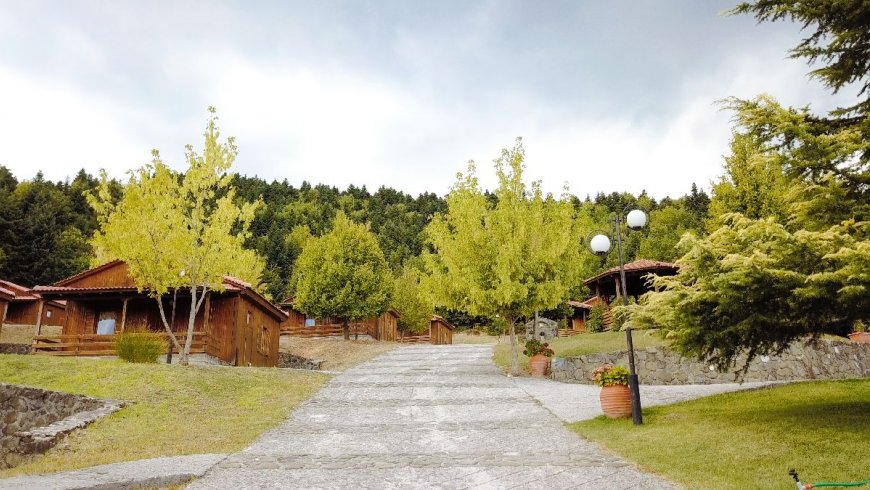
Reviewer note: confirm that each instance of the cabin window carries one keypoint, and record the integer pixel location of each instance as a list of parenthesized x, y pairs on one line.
[(48, 313), (310, 322), (106, 323), (248, 320)]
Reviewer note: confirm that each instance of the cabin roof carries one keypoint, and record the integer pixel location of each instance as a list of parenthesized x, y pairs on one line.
[(6, 294), (229, 283), (436, 318), (19, 293), (584, 305), (642, 265)]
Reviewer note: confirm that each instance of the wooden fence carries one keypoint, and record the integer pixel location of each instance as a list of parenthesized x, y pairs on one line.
[(568, 332), (329, 330), (415, 339), (98, 345)]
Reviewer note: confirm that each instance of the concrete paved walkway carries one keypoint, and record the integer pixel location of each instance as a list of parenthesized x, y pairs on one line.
[(424, 417), (146, 473)]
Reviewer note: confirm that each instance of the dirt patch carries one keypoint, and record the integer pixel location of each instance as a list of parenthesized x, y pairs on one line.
[(338, 354)]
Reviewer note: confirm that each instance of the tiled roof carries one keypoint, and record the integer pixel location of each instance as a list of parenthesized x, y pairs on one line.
[(436, 318), (578, 304), (642, 265), (6, 294), (19, 293)]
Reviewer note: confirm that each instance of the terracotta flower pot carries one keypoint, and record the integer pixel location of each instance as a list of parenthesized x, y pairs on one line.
[(538, 364), (860, 337), (615, 401)]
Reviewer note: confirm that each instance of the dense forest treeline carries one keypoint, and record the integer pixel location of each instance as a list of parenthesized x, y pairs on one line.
[(45, 227)]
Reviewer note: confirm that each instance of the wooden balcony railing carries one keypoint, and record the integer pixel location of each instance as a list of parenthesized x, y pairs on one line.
[(98, 345)]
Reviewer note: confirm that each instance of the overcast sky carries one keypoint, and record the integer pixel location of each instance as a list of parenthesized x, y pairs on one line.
[(608, 96)]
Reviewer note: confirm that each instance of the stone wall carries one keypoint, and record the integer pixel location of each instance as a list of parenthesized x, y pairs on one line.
[(33, 420), (14, 349), (287, 360), (822, 359)]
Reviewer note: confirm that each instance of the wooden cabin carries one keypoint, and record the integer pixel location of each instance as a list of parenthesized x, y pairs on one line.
[(237, 326), (26, 306), (607, 287), (298, 324), (440, 331), (576, 323)]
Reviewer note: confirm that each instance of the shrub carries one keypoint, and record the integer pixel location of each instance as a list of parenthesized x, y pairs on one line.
[(139, 346), (595, 322), (609, 375), (535, 347)]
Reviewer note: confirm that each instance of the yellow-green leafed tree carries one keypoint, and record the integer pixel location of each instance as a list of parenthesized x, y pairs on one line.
[(179, 231), (504, 259), (343, 275), (414, 306)]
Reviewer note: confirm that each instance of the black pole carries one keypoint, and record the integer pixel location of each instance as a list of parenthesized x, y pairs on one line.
[(633, 384)]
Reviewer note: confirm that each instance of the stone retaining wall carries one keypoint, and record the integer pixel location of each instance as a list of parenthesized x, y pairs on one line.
[(822, 359), (14, 349), (287, 360), (33, 420)]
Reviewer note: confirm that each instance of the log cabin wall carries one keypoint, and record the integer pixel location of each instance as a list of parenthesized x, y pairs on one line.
[(113, 274), (294, 320), (221, 328), (440, 333), (79, 319), (258, 331), (387, 327), (26, 313), (22, 312)]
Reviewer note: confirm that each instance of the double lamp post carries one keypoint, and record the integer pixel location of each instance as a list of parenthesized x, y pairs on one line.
[(600, 245)]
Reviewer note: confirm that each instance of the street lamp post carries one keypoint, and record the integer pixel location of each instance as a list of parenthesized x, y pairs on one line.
[(600, 245)]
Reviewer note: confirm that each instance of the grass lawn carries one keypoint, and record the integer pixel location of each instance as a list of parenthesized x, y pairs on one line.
[(338, 354), (173, 411), (578, 345), (750, 439), (465, 338)]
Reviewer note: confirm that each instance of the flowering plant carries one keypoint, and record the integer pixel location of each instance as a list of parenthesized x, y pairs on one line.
[(535, 347), (610, 375)]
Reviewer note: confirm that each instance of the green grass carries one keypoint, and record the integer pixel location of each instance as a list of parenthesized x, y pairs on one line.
[(173, 410), (750, 439), (578, 345)]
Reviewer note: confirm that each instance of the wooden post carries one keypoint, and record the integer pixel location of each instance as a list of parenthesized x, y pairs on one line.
[(39, 317), (206, 318), (124, 314), (3, 316)]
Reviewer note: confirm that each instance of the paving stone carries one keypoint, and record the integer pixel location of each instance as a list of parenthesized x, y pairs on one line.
[(424, 417)]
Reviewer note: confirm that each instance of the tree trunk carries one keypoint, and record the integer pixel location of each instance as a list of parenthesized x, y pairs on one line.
[(191, 323), (515, 361), (345, 328), (174, 303), (166, 326)]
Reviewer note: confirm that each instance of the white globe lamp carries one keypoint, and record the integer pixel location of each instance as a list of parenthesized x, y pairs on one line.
[(600, 244), (636, 219)]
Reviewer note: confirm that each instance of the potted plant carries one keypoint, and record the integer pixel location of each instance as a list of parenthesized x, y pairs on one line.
[(539, 354), (615, 397), (860, 335)]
